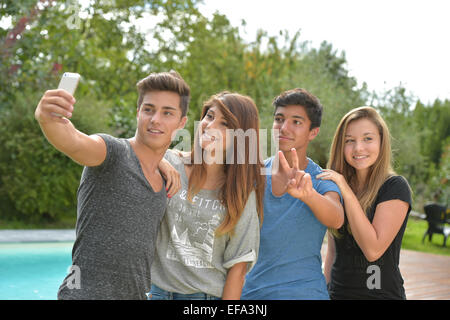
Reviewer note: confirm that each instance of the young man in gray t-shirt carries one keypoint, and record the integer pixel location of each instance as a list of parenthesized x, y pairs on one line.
[(122, 196)]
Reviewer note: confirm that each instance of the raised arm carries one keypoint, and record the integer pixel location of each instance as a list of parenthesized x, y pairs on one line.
[(61, 133), (327, 207)]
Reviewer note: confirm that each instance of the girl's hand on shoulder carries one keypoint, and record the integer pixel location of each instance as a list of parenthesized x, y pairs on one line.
[(172, 176), (328, 174)]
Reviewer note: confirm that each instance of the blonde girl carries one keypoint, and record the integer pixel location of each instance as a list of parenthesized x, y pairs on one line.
[(363, 256)]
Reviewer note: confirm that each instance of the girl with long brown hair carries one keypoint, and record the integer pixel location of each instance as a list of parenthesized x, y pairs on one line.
[(363, 255), (209, 236)]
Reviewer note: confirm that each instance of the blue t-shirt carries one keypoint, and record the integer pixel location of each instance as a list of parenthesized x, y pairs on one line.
[(289, 265)]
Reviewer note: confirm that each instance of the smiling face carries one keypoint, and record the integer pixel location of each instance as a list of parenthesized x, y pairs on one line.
[(159, 116), (213, 130), (362, 145), (294, 125)]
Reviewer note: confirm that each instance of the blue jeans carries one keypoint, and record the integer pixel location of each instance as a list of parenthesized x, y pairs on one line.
[(156, 293)]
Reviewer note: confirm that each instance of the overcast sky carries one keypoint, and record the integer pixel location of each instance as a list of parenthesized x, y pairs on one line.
[(386, 42)]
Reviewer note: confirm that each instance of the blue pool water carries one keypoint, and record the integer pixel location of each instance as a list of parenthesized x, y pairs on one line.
[(33, 271)]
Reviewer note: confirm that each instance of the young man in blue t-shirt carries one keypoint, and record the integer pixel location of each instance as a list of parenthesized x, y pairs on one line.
[(298, 208)]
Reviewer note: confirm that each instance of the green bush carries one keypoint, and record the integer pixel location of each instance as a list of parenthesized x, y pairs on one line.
[(36, 180)]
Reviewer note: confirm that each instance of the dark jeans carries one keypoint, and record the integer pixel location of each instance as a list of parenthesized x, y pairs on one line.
[(156, 293)]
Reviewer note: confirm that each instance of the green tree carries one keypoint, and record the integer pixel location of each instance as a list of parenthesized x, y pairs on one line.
[(395, 107), (432, 121), (36, 180), (108, 51)]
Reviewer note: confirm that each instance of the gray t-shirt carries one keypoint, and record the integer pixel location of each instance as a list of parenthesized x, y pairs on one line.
[(189, 258), (118, 216)]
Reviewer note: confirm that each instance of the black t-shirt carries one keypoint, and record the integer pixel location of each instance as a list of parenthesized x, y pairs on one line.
[(351, 276)]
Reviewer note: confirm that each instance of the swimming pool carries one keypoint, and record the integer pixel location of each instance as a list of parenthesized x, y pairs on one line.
[(33, 271)]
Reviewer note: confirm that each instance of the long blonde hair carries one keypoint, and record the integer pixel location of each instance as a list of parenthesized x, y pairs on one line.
[(240, 112), (378, 172)]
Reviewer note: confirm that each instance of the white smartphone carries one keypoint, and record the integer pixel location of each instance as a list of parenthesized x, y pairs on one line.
[(69, 82)]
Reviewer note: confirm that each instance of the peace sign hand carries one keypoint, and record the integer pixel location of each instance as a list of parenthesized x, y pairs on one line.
[(282, 173), (301, 186), (296, 182)]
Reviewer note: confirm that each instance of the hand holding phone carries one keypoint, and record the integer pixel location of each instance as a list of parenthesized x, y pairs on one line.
[(69, 82)]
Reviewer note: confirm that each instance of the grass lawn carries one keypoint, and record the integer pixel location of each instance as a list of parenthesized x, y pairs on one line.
[(412, 239)]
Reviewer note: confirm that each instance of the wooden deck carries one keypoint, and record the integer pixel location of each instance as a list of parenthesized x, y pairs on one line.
[(426, 276)]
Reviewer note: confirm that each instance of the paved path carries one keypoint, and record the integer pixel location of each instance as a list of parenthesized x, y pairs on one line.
[(426, 275), (37, 235)]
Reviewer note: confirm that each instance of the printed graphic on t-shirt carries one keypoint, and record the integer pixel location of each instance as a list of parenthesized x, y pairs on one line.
[(192, 235)]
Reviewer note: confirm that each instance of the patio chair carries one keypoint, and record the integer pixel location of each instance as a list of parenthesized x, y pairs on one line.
[(436, 221)]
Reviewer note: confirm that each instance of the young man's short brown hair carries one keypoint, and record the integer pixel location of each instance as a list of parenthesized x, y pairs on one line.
[(165, 81)]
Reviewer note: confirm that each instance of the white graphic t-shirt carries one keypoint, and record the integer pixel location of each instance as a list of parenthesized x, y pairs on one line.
[(189, 258)]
